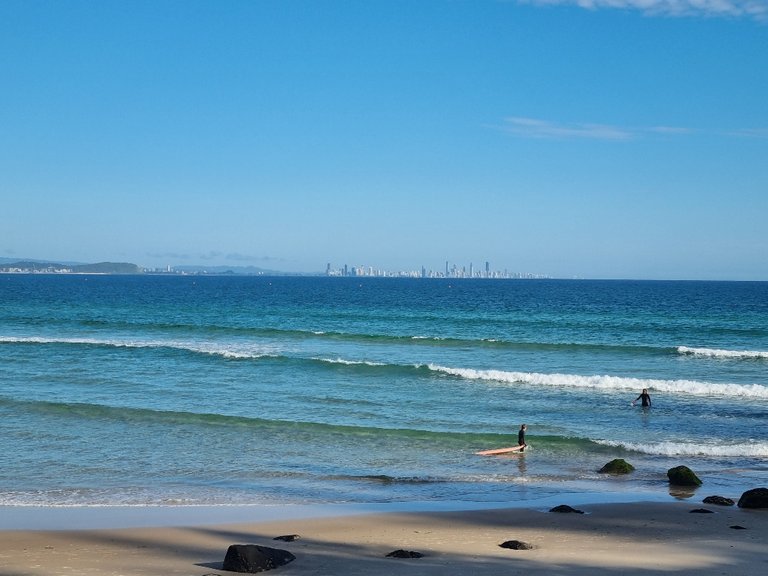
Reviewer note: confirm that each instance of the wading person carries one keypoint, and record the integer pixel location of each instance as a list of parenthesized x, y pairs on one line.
[(521, 437), (644, 397)]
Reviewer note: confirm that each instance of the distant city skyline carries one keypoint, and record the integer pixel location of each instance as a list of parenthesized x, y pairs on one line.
[(600, 139), (452, 270)]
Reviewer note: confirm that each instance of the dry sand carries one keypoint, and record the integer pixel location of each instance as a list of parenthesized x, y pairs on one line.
[(632, 539)]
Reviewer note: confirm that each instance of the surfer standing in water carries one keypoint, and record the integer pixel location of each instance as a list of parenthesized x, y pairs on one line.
[(521, 438), (645, 397)]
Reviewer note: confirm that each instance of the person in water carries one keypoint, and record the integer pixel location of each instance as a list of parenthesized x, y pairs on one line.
[(644, 397), (521, 438)]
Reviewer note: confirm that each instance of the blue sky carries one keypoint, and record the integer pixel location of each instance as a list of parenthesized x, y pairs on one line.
[(589, 138)]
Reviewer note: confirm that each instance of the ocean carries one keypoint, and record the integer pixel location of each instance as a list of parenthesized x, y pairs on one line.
[(229, 391)]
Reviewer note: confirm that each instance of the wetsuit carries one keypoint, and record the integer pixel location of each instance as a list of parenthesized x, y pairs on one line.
[(646, 399)]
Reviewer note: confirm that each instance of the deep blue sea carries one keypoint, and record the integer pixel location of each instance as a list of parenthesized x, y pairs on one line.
[(196, 390)]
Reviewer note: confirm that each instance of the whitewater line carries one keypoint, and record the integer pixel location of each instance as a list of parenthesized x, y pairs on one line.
[(604, 382)]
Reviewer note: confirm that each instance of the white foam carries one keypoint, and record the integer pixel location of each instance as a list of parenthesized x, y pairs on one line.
[(756, 450), (228, 350), (604, 382), (716, 353), (349, 362)]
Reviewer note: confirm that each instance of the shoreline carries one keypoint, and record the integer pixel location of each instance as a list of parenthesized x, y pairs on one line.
[(108, 517), (629, 538)]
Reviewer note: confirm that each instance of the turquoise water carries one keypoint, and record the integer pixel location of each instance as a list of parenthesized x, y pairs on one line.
[(148, 390)]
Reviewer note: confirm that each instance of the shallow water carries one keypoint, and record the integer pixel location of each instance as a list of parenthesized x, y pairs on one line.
[(147, 390)]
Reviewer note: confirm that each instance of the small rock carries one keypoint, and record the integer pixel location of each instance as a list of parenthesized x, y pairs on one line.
[(683, 476), (755, 498), (287, 537), (719, 500), (516, 545), (617, 466), (404, 554), (701, 511), (251, 558), (737, 527), (564, 508)]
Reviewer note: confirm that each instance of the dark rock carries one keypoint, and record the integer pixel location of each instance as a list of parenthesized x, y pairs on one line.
[(755, 498), (617, 466), (701, 511), (737, 527), (404, 554), (516, 545), (252, 558), (719, 500), (287, 537), (683, 476), (565, 509)]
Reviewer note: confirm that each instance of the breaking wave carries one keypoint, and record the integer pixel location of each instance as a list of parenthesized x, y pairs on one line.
[(230, 350), (730, 354), (604, 382), (756, 450)]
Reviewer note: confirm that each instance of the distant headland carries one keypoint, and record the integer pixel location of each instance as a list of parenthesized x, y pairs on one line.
[(44, 267), (34, 267)]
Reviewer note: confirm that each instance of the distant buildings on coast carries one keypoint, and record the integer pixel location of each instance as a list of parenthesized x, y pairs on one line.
[(450, 271)]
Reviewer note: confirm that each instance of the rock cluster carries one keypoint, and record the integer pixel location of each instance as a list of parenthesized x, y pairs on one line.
[(252, 558)]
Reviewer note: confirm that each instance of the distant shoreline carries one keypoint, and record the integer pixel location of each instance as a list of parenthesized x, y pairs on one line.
[(6, 272)]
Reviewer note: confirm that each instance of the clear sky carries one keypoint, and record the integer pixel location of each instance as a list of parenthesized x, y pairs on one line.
[(587, 138)]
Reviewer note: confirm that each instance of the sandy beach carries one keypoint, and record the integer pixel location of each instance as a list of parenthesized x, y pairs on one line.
[(636, 538)]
